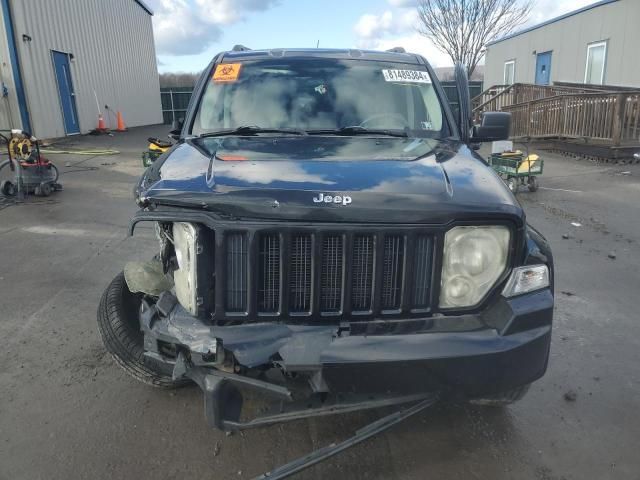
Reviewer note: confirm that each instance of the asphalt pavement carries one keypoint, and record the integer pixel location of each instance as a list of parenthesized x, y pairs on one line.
[(68, 411)]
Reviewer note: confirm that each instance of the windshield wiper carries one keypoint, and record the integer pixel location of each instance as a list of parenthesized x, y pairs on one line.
[(358, 130), (251, 130)]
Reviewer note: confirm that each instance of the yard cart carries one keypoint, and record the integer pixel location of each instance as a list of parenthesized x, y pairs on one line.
[(516, 169)]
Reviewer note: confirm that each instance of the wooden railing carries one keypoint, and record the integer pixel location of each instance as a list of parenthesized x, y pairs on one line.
[(496, 91), (499, 96), (612, 118)]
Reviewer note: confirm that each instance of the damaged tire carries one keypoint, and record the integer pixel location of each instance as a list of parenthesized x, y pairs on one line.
[(120, 330), (503, 398)]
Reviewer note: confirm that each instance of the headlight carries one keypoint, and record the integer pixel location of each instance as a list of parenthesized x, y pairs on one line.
[(474, 258), (526, 279), (184, 242)]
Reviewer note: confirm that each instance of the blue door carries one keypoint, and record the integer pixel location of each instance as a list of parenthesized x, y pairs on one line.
[(65, 90), (543, 68)]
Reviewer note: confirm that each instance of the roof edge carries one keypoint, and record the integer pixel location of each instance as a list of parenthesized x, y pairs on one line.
[(553, 20), (144, 6)]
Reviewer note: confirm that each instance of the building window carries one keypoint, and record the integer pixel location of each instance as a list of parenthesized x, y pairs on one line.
[(596, 62), (509, 72)]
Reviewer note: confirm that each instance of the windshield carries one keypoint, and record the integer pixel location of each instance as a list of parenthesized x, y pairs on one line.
[(320, 94)]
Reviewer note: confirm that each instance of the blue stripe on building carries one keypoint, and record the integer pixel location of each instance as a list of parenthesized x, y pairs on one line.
[(15, 66)]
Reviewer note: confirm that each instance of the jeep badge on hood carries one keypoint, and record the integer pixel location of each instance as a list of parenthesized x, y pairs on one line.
[(339, 199)]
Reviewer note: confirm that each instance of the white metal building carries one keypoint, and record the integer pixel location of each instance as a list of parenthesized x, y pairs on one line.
[(597, 44), (61, 60)]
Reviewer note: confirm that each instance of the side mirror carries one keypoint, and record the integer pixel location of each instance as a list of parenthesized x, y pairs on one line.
[(176, 129), (175, 135), (495, 126)]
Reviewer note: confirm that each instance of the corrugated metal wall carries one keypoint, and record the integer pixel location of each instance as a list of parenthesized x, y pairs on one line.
[(114, 55), (9, 110), (616, 23)]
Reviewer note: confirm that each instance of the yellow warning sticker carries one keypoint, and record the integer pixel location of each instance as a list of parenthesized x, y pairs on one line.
[(227, 72)]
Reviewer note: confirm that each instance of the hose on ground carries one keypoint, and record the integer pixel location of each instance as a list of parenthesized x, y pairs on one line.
[(96, 152)]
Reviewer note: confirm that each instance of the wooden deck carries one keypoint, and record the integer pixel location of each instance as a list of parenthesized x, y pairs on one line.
[(608, 121)]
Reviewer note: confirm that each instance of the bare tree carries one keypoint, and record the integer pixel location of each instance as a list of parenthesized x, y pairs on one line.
[(462, 28), (178, 79)]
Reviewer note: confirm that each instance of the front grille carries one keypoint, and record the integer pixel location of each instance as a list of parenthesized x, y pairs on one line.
[(362, 273), (269, 283), (237, 274), (300, 266), (392, 272), (331, 278), (319, 274), (422, 276)]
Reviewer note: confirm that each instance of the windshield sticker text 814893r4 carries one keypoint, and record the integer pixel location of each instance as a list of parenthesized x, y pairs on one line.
[(410, 76)]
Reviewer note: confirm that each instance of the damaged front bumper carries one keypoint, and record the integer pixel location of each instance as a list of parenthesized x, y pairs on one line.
[(310, 370)]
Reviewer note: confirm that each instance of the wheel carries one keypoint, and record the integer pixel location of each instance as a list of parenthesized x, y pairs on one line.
[(56, 174), (533, 184), (120, 331), (45, 189), (503, 398), (8, 189), (512, 183)]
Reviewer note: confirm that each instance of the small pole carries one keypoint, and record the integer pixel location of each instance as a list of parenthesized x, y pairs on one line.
[(97, 103), (318, 44), (173, 111)]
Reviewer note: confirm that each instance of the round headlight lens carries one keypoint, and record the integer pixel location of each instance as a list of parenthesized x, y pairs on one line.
[(474, 259)]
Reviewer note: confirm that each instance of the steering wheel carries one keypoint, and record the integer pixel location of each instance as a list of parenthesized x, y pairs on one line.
[(379, 116)]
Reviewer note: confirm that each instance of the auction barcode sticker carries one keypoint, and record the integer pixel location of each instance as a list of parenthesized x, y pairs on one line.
[(411, 76)]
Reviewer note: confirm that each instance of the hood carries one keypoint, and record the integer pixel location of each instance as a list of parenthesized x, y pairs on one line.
[(376, 180)]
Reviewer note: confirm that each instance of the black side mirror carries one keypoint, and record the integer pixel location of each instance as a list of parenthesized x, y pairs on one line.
[(176, 129), (495, 126)]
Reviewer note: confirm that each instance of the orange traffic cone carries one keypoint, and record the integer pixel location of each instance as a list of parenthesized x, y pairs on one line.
[(121, 126), (101, 126)]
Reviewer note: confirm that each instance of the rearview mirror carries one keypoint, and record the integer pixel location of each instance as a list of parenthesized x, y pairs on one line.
[(495, 126)]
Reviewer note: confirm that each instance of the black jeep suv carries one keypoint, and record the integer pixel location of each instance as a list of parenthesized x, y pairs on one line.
[(329, 240)]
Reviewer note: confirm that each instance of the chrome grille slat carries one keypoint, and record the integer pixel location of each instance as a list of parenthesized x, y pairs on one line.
[(422, 272), (300, 270), (236, 280), (269, 276), (331, 274), (362, 272), (392, 269)]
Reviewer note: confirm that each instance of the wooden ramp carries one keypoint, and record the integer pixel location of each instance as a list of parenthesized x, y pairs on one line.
[(584, 120)]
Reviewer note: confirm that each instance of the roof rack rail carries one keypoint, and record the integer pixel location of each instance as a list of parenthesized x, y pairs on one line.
[(397, 50), (240, 48)]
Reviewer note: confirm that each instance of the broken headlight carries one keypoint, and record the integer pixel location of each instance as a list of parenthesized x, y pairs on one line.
[(474, 259), (184, 277)]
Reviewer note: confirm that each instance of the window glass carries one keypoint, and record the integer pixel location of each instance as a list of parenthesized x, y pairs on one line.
[(322, 94), (596, 54), (509, 72)]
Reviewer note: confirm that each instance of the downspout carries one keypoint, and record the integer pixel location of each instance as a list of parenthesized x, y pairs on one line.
[(15, 66)]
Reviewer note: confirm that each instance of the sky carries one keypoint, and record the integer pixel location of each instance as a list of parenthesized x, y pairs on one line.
[(188, 33)]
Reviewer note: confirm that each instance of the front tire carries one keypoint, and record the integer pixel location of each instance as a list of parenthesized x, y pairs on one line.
[(118, 321)]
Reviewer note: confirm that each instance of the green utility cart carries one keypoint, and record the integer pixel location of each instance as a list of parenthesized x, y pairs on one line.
[(516, 169)]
